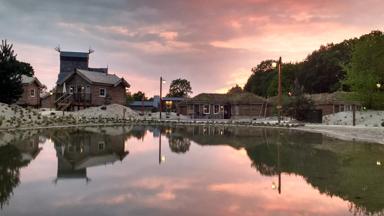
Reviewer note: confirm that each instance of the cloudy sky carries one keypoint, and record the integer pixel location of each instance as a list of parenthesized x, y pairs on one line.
[(212, 43)]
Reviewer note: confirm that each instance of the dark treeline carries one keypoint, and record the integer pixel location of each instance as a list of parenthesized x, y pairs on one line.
[(324, 70)]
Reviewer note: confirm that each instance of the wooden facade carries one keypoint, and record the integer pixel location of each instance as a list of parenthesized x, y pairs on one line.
[(84, 88), (330, 103), (32, 88), (223, 106)]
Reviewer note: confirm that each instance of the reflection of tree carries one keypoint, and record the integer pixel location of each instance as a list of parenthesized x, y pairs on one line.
[(179, 144), (350, 172), (10, 164), (137, 132), (333, 167)]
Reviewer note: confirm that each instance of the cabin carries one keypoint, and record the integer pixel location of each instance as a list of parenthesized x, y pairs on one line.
[(223, 106), (335, 102), (84, 88), (32, 88)]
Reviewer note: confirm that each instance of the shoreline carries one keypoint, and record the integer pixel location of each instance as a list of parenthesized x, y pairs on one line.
[(346, 133)]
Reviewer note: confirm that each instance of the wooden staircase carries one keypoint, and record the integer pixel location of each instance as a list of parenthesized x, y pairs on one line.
[(64, 102)]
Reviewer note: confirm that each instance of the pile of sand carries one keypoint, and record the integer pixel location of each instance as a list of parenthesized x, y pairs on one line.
[(14, 116), (115, 111), (368, 118)]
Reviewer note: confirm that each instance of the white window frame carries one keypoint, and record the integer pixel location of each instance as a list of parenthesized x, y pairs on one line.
[(209, 109), (101, 146), (32, 94), (214, 109), (105, 92)]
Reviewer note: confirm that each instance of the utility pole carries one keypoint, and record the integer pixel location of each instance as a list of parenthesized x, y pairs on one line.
[(161, 91), (280, 105)]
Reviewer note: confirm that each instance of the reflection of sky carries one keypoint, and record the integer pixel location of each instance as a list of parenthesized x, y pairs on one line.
[(207, 180)]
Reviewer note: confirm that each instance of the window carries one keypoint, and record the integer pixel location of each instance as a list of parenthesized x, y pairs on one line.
[(216, 109), (102, 92), (101, 146), (206, 109), (71, 90), (32, 93)]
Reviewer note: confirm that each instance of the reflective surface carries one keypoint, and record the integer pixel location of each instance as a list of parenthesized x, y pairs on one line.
[(197, 170)]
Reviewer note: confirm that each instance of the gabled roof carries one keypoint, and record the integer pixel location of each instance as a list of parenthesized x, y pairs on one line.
[(240, 98), (96, 77), (28, 80), (173, 98), (143, 103), (101, 70), (338, 97)]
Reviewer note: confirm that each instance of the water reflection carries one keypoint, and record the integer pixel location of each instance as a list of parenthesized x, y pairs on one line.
[(335, 168), (12, 159), (349, 171), (76, 150)]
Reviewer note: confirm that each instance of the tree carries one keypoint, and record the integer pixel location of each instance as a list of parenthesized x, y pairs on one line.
[(11, 71), (180, 88), (366, 70), (139, 96), (264, 80), (261, 78), (235, 90), (298, 105), (322, 71)]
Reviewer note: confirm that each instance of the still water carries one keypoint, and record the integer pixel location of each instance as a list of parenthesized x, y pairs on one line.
[(142, 170)]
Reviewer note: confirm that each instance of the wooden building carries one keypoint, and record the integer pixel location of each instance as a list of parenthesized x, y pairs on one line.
[(84, 88), (330, 103), (32, 88), (223, 106)]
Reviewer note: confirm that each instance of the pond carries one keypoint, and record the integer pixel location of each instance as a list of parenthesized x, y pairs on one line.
[(194, 170)]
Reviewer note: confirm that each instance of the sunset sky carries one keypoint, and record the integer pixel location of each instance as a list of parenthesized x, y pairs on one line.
[(212, 43)]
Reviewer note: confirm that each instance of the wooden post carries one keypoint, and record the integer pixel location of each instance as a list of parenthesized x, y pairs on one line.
[(354, 115), (279, 92), (161, 90)]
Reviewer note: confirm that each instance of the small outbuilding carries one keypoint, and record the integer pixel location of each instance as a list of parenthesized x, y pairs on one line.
[(330, 103), (32, 88), (223, 106)]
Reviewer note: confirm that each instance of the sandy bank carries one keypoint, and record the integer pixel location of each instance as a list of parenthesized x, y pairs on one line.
[(348, 133)]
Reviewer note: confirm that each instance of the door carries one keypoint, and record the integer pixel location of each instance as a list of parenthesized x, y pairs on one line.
[(227, 111)]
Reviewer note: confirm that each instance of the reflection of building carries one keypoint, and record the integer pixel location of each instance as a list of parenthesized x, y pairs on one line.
[(12, 158), (79, 150), (29, 148)]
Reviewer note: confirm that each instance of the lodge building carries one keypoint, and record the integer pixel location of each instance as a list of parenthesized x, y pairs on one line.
[(223, 106)]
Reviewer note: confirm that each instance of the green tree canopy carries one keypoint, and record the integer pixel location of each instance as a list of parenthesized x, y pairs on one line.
[(321, 71), (11, 71), (366, 70), (180, 88), (139, 96), (235, 90)]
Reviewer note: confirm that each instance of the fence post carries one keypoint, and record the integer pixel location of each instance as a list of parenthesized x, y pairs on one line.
[(353, 115)]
